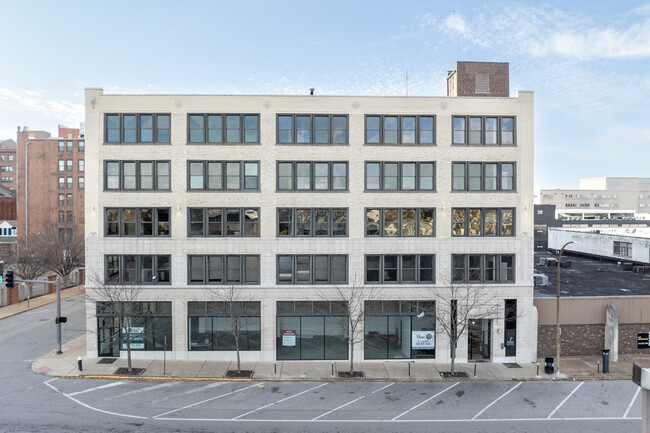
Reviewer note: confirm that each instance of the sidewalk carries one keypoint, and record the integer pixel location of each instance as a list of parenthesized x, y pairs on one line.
[(13, 309), (65, 365)]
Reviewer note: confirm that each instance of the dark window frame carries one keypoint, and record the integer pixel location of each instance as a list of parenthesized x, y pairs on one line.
[(482, 269), (499, 130), (499, 178), (225, 281), (139, 257), (120, 221), (400, 176), (399, 222), (399, 130), (294, 269), (224, 132), (312, 176), (312, 129), (312, 210), (155, 174), (499, 211), (224, 176), (138, 131), (224, 222), (399, 269)]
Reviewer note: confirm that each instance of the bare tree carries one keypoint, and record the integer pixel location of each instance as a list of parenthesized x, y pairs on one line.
[(28, 263), (63, 256), (352, 316), (236, 300)]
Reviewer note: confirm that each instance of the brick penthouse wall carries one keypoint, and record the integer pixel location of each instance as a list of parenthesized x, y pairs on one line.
[(589, 340), (499, 78), (8, 208)]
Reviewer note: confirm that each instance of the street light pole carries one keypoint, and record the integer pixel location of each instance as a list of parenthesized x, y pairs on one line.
[(557, 314), (58, 314)]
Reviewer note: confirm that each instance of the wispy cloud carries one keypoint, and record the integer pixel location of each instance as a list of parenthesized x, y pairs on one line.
[(33, 101)]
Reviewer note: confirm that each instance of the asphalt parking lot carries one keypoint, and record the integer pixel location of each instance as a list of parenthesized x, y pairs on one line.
[(352, 402)]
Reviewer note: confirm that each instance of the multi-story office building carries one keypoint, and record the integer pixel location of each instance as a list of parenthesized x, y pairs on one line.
[(50, 183), (602, 198), (287, 198), (8, 164)]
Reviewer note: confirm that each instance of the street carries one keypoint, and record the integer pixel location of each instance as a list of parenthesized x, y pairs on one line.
[(36, 402)]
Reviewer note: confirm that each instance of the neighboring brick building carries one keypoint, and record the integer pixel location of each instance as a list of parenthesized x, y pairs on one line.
[(487, 79), (8, 164), (50, 187), (7, 222)]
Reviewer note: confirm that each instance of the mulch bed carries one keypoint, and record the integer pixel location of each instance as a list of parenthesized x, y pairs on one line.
[(454, 375), (242, 374), (353, 375), (124, 371)]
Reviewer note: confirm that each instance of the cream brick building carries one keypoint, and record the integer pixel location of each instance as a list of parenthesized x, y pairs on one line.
[(353, 234)]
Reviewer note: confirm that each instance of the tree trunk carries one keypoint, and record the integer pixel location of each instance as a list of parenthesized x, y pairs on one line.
[(238, 360), (65, 281), (351, 358), (128, 352), (453, 354)]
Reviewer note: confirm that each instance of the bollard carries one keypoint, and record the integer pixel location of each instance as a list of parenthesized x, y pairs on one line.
[(275, 369), (538, 369), (605, 361), (80, 364), (474, 370), (332, 369), (598, 366), (409, 369)]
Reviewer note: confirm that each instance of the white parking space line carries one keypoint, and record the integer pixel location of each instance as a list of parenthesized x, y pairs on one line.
[(147, 389), (503, 395), (564, 401), (383, 387), (191, 391), (110, 385), (279, 401), (350, 402), (428, 399), (636, 394), (209, 399)]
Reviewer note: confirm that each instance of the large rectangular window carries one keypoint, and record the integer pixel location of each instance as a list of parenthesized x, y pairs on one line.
[(223, 128), (137, 128), (137, 175), (400, 176), (483, 222), (400, 268), (129, 269), (399, 329), (483, 176), (312, 176), (311, 222), (483, 268), (210, 326), (312, 129), (223, 175), (149, 323), (312, 269), (223, 269), (312, 330), (223, 222), (623, 249), (405, 129), (394, 222), (483, 130), (137, 222)]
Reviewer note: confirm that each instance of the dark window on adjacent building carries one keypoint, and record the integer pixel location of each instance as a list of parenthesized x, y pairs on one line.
[(210, 326), (129, 269), (312, 269), (483, 222), (311, 222), (312, 176), (137, 175), (483, 268), (483, 176), (392, 222), (623, 249), (132, 222), (223, 269), (312, 129), (406, 129), (483, 130), (400, 176), (400, 268), (137, 128)]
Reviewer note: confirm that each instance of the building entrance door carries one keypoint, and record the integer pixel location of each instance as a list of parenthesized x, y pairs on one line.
[(108, 337), (479, 341)]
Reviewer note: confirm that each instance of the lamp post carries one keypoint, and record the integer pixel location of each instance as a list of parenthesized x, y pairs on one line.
[(557, 315)]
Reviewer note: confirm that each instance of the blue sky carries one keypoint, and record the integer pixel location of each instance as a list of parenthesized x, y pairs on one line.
[(586, 61)]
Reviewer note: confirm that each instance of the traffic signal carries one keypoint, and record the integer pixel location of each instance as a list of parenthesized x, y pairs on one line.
[(9, 279)]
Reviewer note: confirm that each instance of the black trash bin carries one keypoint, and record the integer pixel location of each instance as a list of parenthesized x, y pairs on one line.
[(549, 365), (605, 361)]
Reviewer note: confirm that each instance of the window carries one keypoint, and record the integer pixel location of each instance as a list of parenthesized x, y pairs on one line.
[(61, 165), (482, 83), (312, 129), (136, 128), (389, 129), (483, 222), (223, 128), (152, 321), (61, 146), (623, 249), (223, 222), (483, 130), (223, 270), (483, 176), (11, 157), (400, 176), (61, 182), (130, 269), (61, 216), (68, 165), (61, 199), (69, 233), (223, 175), (394, 222), (312, 269), (69, 216), (81, 182), (400, 268), (68, 145), (81, 165), (82, 145), (310, 222), (69, 182), (137, 175), (483, 268), (131, 222), (312, 176), (61, 234), (68, 199), (209, 325)]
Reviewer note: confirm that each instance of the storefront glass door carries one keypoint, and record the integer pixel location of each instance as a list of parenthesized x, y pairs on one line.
[(479, 340)]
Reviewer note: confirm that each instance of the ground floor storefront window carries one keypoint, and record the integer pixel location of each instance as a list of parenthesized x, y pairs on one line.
[(214, 325), (311, 330), (399, 329), (149, 326)]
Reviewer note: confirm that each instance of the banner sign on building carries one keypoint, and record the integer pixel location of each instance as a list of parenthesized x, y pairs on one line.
[(643, 340), (289, 338), (137, 337), (423, 340)]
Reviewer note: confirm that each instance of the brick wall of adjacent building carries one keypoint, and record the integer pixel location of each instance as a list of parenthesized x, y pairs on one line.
[(589, 340), (7, 208), (465, 77)]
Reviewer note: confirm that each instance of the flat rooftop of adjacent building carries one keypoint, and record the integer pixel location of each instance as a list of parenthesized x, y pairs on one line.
[(591, 277)]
